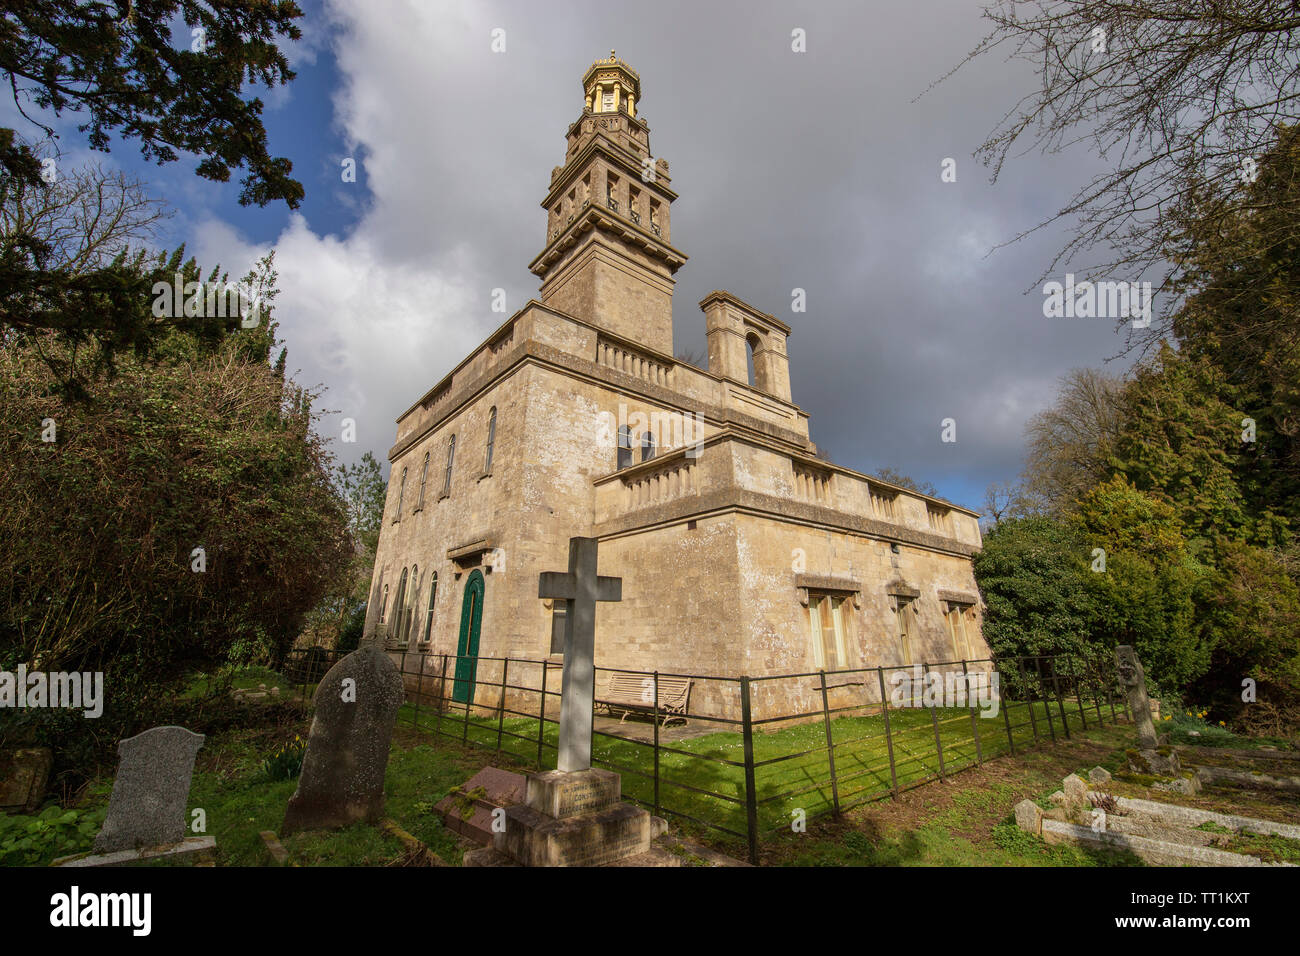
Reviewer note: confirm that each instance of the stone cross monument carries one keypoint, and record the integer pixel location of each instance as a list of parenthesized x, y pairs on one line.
[(580, 588), (573, 815)]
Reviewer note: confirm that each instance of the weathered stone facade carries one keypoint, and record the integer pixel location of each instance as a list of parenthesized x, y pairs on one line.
[(728, 530)]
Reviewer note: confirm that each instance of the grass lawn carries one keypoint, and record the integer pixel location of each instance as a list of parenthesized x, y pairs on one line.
[(963, 820), (703, 778), (239, 802)]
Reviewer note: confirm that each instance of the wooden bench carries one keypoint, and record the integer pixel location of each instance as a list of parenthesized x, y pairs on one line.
[(635, 693)]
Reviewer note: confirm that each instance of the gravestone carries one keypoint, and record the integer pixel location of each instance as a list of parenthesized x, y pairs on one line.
[(147, 806), (23, 776), (1150, 757), (574, 816), (342, 780)]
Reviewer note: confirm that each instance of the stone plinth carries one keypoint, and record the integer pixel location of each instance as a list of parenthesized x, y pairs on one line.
[(588, 839), (571, 818), (558, 794)]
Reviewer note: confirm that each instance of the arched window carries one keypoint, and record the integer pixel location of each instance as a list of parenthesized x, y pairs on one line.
[(401, 496), (399, 604), (624, 447), (383, 608), (751, 358), (408, 616), (428, 612), (424, 477), (491, 440), (647, 446), (451, 457)]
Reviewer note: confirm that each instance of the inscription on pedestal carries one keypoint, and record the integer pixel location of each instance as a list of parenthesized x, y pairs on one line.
[(558, 794)]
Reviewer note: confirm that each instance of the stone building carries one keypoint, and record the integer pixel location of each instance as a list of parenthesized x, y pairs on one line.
[(741, 550)]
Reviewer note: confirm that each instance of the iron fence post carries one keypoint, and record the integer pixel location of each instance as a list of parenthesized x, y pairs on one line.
[(1060, 701), (934, 719), (1078, 691), (442, 698), (974, 720), (889, 740), (830, 747), (541, 715), (656, 743), (1047, 703), (751, 800), (419, 692), (501, 707)]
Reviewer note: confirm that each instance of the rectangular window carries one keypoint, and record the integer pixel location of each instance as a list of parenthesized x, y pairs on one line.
[(826, 614), (904, 610), (624, 459), (957, 631)]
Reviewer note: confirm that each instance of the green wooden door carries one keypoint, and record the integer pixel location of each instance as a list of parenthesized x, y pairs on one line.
[(471, 617)]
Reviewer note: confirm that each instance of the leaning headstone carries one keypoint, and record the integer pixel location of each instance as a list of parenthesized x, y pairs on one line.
[(1099, 775), (1029, 816), (1076, 791), (23, 776), (1150, 757), (342, 779), (147, 806)]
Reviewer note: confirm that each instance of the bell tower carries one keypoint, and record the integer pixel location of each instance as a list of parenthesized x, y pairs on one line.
[(608, 259)]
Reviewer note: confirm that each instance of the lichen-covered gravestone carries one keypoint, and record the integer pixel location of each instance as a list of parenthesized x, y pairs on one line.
[(147, 807), (342, 779)]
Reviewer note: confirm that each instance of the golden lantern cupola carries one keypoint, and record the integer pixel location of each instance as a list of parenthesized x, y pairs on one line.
[(611, 86)]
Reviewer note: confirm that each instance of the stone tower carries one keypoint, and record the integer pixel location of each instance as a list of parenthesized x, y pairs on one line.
[(608, 258)]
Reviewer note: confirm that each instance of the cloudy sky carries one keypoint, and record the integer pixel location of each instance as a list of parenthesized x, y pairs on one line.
[(817, 170)]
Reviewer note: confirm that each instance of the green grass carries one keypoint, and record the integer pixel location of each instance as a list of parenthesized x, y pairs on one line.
[(783, 783), (240, 802)]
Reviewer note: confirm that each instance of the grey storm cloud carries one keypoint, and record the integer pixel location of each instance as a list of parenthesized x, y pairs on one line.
[(817, 170)]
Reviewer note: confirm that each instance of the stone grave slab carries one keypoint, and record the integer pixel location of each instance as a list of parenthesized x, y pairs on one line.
[(471, 815)]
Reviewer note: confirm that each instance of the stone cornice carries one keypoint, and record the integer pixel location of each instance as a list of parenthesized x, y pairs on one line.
[(530, 350), (782, 509), (721, 295)]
